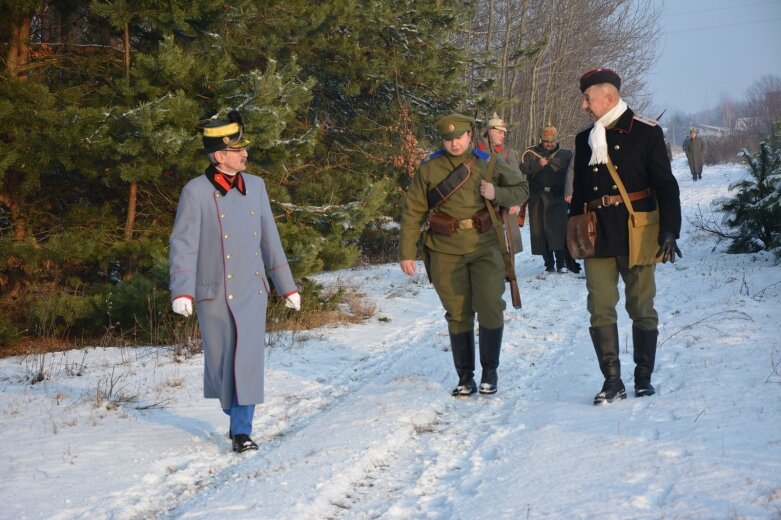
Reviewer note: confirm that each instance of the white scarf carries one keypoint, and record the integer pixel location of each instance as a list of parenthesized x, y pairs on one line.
[(597, 140)]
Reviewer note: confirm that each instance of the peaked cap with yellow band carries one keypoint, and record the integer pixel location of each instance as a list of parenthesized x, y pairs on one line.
[(224, 134), (454, 125)]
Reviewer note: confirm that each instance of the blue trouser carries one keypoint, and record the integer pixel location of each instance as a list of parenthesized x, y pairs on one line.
[(241, 417)]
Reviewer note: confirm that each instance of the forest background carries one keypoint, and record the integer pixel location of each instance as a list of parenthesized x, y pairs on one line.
[(100, 102)]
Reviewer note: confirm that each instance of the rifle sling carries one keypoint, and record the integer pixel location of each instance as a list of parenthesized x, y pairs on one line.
[(450, 184)]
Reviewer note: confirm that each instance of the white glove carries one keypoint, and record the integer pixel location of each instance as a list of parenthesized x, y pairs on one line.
[(182, 305), (293, 301)]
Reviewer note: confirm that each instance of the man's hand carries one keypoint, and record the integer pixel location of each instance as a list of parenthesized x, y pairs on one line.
[(668, 248), (514, 210), (543, 162), (487, 190), (293, 301), (408, 267), (182, 305)]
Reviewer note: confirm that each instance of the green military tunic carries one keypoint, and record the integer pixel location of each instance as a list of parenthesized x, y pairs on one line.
[(466, 268)]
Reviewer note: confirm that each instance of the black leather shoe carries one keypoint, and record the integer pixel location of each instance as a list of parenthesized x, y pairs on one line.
[(242, 442), (644, 389), (465, 390), (611, 391)]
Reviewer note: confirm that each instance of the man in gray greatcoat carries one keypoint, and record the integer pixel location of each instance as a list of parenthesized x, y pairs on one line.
[(224, 242), (694, 147)]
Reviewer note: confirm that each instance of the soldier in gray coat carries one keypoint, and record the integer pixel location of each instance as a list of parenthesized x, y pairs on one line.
[(545, 165), (223, 244), (694, 147)]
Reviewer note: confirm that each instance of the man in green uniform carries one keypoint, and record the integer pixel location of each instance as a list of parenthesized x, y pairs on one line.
[(463, 262)]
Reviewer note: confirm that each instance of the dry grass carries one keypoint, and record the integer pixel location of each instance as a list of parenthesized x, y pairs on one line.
[(335, 305)]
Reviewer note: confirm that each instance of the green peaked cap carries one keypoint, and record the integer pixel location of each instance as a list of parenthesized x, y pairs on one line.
[(454, 125)]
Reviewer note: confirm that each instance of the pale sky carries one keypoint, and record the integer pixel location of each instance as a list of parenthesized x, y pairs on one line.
[(710, 48)]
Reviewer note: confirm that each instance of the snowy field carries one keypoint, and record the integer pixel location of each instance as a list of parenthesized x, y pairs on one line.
[(359, 422)]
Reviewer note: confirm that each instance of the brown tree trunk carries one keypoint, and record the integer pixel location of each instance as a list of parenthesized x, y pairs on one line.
[(18, 47), (132, 198)]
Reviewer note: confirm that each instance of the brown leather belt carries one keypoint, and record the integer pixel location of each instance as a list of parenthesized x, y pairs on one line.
[(615, 200)]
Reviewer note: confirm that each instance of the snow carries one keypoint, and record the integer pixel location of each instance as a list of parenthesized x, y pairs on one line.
[(359, 422)]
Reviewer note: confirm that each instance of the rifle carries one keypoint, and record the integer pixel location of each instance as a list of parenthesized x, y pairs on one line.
[(660, 115), (505, 242), (515, 294)]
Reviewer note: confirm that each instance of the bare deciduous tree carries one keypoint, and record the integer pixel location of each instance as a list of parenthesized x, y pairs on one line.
[(537, 49)]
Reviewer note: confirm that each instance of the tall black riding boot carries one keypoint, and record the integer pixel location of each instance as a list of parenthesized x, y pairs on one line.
[(645, 357), (605, 341), (490, 345), (549, 263), (463, 347)]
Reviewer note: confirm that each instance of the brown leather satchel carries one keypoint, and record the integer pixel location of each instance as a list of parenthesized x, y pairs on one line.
[(442, 224), (582, 234)]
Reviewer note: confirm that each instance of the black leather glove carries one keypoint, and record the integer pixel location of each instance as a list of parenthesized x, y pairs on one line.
[(668, 248)]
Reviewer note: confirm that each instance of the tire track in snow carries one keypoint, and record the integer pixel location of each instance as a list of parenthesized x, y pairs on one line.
[(447, 460), (354, 381)]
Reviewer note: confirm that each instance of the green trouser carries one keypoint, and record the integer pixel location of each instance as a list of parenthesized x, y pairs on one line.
[(640, 289), (469, 284)]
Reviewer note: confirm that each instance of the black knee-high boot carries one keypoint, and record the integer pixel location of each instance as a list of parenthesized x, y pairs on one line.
[(645, 356), (490, 342), (605, 341), (463, 347)]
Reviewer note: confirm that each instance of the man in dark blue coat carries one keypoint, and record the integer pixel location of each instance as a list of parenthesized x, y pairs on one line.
[(636, 147)]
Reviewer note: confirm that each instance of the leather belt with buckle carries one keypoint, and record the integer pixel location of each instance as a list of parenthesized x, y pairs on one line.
[(615, 200), (546, 189), (466, 224)]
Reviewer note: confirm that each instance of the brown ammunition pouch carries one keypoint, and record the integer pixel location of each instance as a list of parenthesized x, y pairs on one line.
[(442, 224), (482, 220)]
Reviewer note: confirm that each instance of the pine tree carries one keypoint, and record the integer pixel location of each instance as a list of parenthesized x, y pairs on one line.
[(98, 133), (755, 210)]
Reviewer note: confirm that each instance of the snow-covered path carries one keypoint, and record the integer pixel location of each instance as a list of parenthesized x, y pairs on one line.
[(359, 422)]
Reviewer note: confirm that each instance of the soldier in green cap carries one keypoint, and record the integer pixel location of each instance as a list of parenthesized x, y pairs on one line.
[(461, 249)]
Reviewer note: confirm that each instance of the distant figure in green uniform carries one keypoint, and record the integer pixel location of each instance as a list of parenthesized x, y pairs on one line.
[(463, 262)]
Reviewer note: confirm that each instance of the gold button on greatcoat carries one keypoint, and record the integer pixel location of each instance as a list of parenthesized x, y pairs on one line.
[(228, 257), (225, 236), (252, 212), (230, 276), (596, 188), (616, 147), (254, 233), (595, 169), (222, 215), (230, 296), (257, 273)]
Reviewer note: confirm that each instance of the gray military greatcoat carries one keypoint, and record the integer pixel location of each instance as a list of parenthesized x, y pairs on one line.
[(221, 249)]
